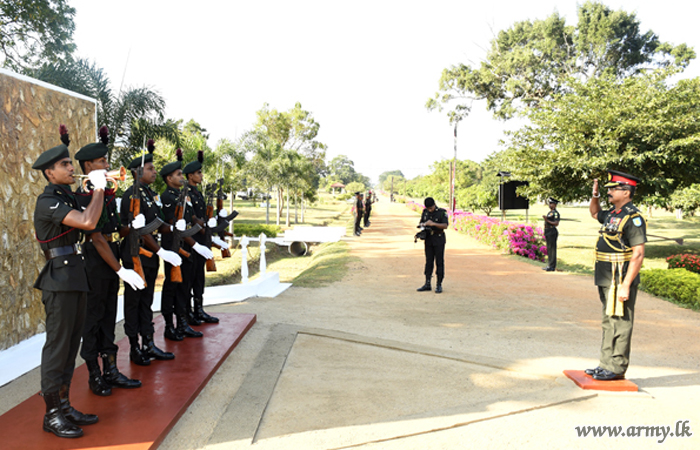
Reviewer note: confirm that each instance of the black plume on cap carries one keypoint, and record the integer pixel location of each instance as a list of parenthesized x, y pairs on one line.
[(151, 145), (104, 134), (200, 156), (178, 154), (63, 131)]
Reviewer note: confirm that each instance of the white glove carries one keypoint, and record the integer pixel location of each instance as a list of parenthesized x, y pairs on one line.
[(169, 257), (220, 242), (131, 277), (181, 225), (202, 250), (138, 222), (223, 213), (98, 179), (211, 223)]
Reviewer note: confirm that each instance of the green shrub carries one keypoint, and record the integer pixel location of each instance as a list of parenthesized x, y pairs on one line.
[(679, 285), (343, 197), (254, 229)]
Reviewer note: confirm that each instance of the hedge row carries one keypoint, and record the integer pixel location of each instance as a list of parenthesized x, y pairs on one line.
[(679, 285), (254, 229)]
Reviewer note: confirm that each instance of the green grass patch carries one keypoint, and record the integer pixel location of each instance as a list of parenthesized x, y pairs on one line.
[(328, 264)]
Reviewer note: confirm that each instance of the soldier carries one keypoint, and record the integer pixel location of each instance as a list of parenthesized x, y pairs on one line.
[(178, 293), (435, 221), (619, 256), (358, 213), (368, 208), (63, 282), (193, 172), (101, 252), (138, 315), (551, 222)]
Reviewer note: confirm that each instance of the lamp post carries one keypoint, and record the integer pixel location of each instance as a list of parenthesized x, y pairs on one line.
[(453, 171)]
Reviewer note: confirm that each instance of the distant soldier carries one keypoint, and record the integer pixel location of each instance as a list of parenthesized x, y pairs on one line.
[(435, 221), (63, 282), (551, 222), (619, 257), (368, 208), (359, 211)]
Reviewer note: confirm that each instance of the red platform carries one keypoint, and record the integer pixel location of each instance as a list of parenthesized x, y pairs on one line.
[(588, 382), (133, 418)]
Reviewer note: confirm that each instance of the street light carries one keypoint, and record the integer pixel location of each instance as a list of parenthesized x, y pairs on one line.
[(453, 171)]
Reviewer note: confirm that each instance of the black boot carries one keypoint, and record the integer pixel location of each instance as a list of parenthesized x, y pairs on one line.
[(438, 288), (170, 331), (135, 355), (54, 420), (113, 376), (200, 314), (425, 287), (184, 329), (192, 318), (153, 352), (97, 384), (72, 414)]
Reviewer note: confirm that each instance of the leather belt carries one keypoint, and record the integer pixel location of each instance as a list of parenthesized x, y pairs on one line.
[(61, 251), (613, 257)]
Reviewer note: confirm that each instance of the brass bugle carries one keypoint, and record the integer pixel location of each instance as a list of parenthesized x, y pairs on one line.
[(113, 176)]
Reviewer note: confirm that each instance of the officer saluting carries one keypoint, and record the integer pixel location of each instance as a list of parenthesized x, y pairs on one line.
[(63, 282), (619, 256), (551, 222), (435, 221)]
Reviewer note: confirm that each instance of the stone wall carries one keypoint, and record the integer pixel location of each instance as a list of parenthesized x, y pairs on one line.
[(30, 115)]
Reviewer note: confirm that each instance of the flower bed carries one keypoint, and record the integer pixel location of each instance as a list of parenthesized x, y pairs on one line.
[(684, 261), (515, 238)]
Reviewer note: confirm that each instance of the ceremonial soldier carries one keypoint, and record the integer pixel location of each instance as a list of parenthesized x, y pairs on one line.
[(138, 315), (193, 172), (63, 282), (177, 293), (101, 252), (434, 220), (619, 257), (358, 212), (368, 208), (551, 222)]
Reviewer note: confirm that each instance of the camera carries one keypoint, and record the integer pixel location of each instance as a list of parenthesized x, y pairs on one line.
[(422, 234)]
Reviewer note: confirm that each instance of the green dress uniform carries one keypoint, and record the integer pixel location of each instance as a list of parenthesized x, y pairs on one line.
[(621, 230), (435, 244), (199, 210), (359, 212), (550, 235)]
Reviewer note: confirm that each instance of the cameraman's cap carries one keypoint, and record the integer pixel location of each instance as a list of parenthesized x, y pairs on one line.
[(50, 156), (616, 178), (552, 200)]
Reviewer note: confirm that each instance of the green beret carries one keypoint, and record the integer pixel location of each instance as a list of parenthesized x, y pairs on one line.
[(192, 167), (170, 168), (136, 162), (50, 156), (92, 151)]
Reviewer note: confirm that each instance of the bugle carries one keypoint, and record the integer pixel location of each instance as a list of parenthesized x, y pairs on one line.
[(113, 176)]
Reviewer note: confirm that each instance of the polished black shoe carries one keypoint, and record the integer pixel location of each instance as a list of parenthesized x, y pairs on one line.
[(172, 334), (606, 375), (114, 377), (153, 352), (184, 329), (591, 372), (424, 288), (72, 414), (545, 269), (202, 315), (192, 319), (54, 420), (136, 355), (97, 384), (438, 289)]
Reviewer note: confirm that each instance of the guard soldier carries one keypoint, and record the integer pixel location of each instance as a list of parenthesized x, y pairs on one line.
[(358, 212), (551, 222), (101, 254), (434, 220), (368, 207), (193, 172), (63, 282), (138, 315), (177, 294), (619, 257)]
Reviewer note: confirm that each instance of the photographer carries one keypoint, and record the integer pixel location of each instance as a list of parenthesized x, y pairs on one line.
[(434, 222)]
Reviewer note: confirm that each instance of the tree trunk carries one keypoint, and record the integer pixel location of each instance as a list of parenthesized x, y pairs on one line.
[(267, 207), (287, 219), (278, 207), (302, 207), (296, 207)]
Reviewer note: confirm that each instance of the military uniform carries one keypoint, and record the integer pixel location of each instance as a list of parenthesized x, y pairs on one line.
[(621, 230), (368, 209), (358, 215), (550, 235), (435, 244)]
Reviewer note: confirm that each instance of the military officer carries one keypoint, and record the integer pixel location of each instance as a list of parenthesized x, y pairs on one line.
[(368, 208), (435, 221), (551, 222), (63, 282), (101, 252), (193, 172), (359, 208), (619, 257), (177, 294), (138, 315)]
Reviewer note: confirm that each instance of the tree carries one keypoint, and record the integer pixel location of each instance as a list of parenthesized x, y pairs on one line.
[(388, 174), (342, 168), (33, 32), (261, 166), (535, 60), (639, 125)]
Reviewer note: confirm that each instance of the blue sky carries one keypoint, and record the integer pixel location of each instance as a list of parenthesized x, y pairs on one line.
[(364, 69)]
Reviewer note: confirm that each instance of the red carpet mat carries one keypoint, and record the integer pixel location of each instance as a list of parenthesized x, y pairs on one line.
[(133, 418), (588, 382)]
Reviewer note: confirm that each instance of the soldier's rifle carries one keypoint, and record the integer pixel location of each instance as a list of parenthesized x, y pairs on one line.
[(208, 231), (223, 222), (179, 236)]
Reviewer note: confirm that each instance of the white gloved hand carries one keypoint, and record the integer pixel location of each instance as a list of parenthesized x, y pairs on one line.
[(138, 222), (220, 242), (131, 277), (181, 225), (169, 257), (223, 213), (98, 179), (211, 223), (202, 250)]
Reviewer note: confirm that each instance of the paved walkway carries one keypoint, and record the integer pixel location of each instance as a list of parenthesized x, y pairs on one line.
[(370, 363)]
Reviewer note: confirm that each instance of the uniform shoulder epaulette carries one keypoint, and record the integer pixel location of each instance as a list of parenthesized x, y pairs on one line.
[(631, 209)]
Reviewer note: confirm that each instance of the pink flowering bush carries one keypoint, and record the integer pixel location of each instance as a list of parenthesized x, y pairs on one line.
[(684, 261), (515, 238)]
